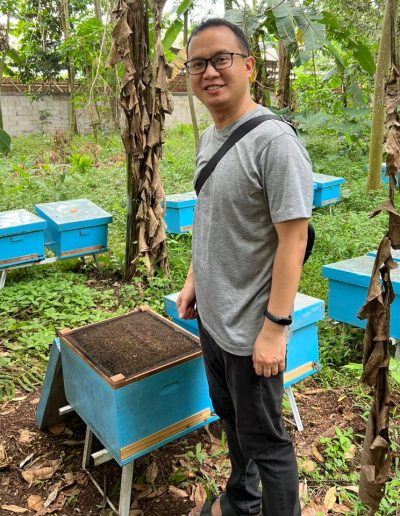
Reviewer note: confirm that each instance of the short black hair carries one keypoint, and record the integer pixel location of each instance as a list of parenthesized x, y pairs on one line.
[(220, 22)]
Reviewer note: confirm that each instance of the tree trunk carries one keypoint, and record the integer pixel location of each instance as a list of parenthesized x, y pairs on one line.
[(64, 14), (2, 64), (97, 9), (378, 110), (144, 102), (188, 87), (283, 93)]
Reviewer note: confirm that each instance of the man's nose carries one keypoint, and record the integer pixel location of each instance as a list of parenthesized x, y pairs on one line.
[(210, 71)]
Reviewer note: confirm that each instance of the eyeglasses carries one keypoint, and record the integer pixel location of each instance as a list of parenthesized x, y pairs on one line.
[(219, 62)]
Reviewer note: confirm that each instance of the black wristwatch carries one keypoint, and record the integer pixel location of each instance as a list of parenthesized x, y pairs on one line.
[(282, 321)]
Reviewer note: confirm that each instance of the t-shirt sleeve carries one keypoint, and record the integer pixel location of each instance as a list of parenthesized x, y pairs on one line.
[(287, 178)]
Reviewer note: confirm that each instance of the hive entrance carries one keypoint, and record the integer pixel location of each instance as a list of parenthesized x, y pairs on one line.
[(132, 344)]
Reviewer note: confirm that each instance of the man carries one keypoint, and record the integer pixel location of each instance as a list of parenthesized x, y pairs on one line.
[(249, 240)]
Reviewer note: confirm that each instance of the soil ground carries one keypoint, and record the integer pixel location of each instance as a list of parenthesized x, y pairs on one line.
[(154, 492)]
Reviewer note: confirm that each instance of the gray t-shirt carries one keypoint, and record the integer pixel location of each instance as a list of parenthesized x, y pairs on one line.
[(264, 179)]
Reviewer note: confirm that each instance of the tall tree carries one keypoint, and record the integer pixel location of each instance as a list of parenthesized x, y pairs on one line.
[(63, 6), (144, 101), (4, 47), (378, 110)]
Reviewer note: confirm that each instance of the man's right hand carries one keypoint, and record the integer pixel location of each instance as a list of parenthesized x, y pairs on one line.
[(186, 302)]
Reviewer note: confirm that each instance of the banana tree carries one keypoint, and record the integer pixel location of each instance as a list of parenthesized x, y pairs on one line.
[(378, 111), (144, 101), (297, 29)]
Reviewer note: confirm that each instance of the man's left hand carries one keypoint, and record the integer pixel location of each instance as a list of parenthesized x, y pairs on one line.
[(269, 351)]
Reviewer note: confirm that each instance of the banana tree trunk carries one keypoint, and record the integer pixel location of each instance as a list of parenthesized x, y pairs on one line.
[(283, 94), (378, 110), (144, 102)]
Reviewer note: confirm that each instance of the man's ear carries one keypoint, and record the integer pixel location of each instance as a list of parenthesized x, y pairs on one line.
[(250, 66)]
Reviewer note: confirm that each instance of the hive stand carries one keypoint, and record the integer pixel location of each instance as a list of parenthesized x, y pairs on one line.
[(302, 349)]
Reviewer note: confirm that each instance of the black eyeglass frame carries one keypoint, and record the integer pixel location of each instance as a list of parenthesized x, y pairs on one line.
[(210, 60)]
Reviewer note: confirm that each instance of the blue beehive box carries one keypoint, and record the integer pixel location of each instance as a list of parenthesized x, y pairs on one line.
[(348, 283), (327, 189), (133, 414), (302, 350), (179, 212), (74, 228), (21, 238), (395, 254)]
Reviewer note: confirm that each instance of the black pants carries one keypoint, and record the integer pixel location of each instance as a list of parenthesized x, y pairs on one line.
[(259, 446)]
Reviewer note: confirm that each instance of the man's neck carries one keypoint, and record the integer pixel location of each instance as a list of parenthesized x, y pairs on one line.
[(222, 119)]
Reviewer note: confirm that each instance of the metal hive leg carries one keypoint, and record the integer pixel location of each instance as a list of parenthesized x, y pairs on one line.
[(295, 410), (3, 278)]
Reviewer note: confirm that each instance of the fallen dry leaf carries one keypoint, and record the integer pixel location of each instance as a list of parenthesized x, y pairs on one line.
[(316, 454), (52, 496), (136, 512), (14, 508), (308, 466), (353, 489), (151, 473), (177, 492), (35, 401), (330, 498), (303, 489), (146, 493), (4, 460), (349, 454), (57, 429), (340, 508), (20, 398), (313, 509), (35, 503), (24, 436), (30, 475), (313, 391), (199, 497), (26, 460), (7, 412)]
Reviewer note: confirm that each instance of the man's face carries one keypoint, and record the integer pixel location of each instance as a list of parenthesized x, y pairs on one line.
[(220, 90)]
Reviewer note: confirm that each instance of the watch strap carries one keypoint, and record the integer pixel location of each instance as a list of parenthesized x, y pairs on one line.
[(282, 321)]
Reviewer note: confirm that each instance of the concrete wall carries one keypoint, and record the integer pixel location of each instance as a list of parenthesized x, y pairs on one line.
[(21, 114)]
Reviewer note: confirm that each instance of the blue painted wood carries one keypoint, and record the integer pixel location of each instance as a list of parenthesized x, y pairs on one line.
[(52, 396), (21, 238), (75, 228), (348, 283), (395, 254), (179, 212), (327, 189), (123, 415), (303, 344)]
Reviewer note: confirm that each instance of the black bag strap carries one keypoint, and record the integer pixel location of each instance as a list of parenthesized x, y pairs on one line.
[(237, 135)]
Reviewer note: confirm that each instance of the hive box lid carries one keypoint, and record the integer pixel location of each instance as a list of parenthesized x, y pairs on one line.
[(19, 221), (357, 271), (395, 254), (181, 200), (76, 213), (307, 309), (323, 180)]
